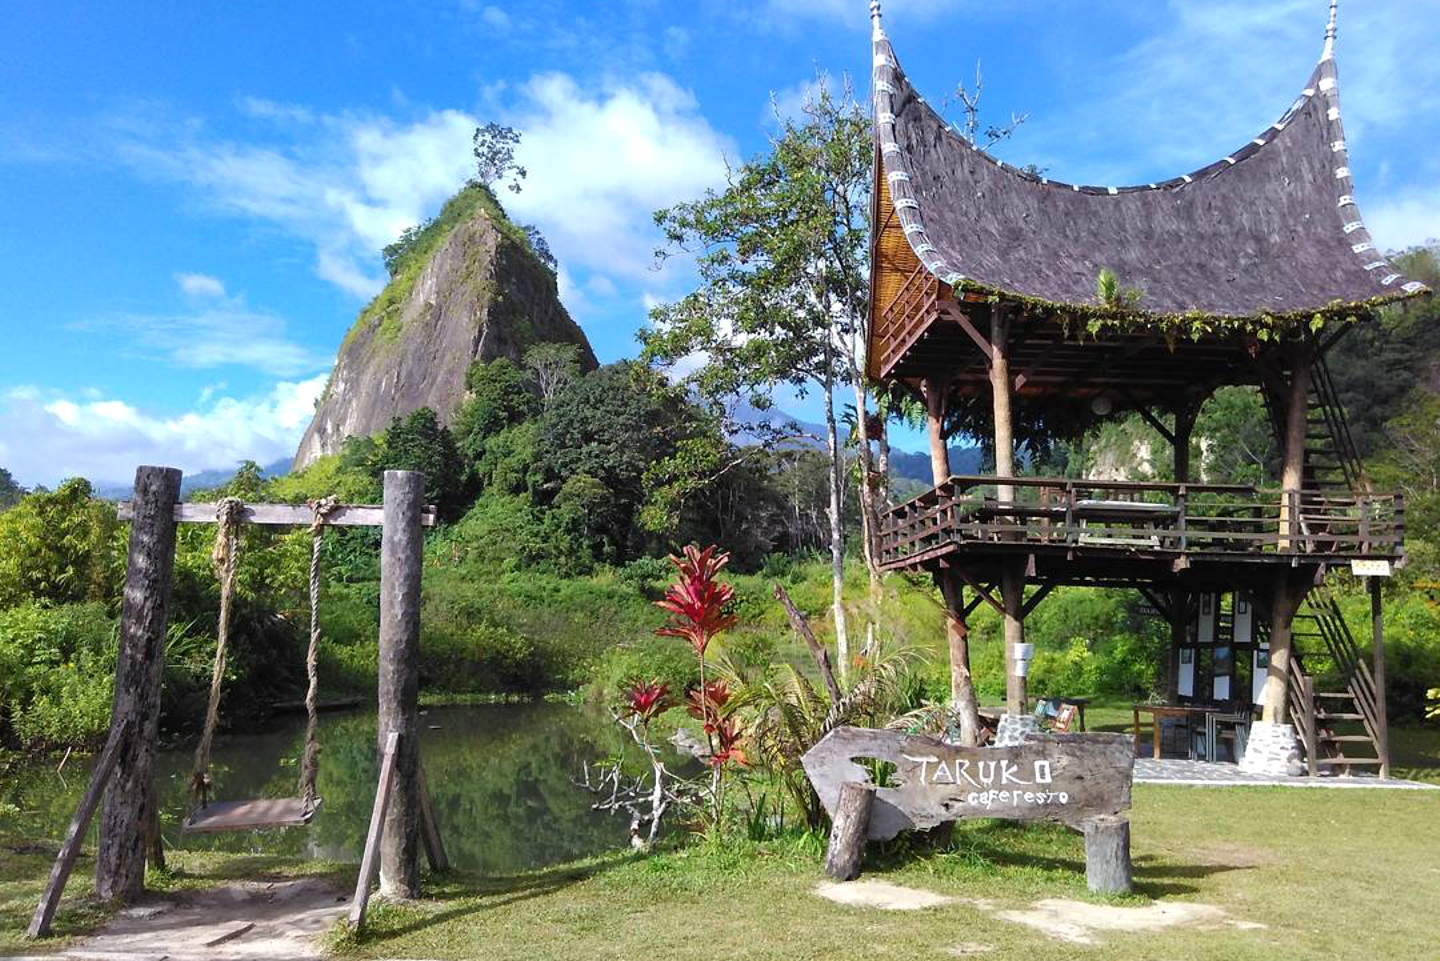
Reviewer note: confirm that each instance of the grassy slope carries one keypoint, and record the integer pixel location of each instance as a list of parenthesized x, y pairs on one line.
[(1307, 864)]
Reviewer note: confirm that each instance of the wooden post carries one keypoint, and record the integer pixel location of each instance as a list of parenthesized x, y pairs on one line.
[(401, 563), (1000, 386), (1179, 635), (848, 830), (369, 862), (1377, 638), (1297, 408), (1012, 590), (1107, 854), (957, 635), (1184, 428), (120, 858), (65, 861)]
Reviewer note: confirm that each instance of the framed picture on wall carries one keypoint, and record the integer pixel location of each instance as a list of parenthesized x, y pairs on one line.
[(1187, 655), (1242, 604), (1262, 660), (1207, 602), (1222, 660)]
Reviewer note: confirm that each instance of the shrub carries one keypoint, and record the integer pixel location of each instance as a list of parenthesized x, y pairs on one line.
[(57, 672)]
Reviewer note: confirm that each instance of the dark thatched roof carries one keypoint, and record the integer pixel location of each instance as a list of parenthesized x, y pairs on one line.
[(1271, 230)]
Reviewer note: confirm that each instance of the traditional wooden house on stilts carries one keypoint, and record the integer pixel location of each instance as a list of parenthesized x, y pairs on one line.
[(984, 304)]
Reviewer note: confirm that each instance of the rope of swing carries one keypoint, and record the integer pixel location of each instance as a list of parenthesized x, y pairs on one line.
[(310, 764), (224, 557)]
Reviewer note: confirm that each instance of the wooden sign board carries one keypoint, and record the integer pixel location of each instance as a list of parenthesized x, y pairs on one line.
[(1369, 568), (1068, 777)]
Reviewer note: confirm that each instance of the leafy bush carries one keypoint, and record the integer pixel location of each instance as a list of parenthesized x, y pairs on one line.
[(57, 669)]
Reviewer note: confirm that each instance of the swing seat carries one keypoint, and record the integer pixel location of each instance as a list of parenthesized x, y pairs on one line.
[(259, 815)]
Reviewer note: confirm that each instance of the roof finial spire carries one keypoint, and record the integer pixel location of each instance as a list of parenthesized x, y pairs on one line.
[(1329, 53), (879, 31)]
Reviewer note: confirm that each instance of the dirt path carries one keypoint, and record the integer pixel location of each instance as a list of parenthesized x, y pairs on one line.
[(239, 921)]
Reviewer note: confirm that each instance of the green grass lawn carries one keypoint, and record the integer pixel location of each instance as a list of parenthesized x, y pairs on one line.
[(1329, 873)]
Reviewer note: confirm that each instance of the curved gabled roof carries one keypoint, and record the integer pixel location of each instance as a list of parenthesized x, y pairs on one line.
[(1271, 230)]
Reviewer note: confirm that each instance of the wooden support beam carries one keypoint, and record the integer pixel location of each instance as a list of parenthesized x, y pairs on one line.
[(370, 861), (75, 836), (1155, 602), (401, 563), (957, 315), (981, 591), (284, 515), (1036, 598), (144, 619), (1155, 422)]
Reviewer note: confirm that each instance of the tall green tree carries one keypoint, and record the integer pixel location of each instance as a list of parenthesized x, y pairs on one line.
[(420, 442), (10, 492), (59, 547), (782, 258)]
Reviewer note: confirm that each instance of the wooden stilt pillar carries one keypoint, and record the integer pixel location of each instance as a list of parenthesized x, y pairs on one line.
[(1290, 590), (957, 635), (1000, 387), (124, 822), (957, 632), (1300, 355), (401, 562), (1012, 590), (1377, 637), (1179, 637)]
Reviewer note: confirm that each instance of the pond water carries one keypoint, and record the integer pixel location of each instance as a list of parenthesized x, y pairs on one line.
[(502, 778)]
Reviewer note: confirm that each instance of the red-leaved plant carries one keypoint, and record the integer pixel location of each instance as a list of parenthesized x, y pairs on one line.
[(696, 601), (646, 700)]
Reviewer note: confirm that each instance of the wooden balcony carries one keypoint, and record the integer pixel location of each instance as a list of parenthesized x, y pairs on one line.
[(1085, 531)]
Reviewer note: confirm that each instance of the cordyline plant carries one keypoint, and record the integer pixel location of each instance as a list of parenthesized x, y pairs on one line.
[(696, 601)]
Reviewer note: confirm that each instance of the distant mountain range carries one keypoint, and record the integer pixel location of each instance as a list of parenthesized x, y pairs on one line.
[(204, 480), (904, 465)]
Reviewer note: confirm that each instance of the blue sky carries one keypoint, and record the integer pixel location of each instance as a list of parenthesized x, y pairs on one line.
[(194, 195)]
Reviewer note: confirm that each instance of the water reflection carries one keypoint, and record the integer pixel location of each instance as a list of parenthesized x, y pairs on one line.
[(501, 777)]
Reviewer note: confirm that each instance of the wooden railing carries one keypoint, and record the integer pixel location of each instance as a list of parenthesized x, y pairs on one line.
[(1145, 517), (904, 319)]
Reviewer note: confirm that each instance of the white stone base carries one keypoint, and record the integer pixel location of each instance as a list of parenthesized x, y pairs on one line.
[(1272, 750), (1015, 729)]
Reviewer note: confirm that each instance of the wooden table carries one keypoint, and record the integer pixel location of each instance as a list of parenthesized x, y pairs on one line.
[(1160, 711)]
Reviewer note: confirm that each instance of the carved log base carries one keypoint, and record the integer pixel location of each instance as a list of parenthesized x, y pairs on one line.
[(849, 828), (1107, 854)]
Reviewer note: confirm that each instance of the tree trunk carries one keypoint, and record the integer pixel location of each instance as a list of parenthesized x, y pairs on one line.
[(882, 467), (957, 636), (120, 858), (401, 562), (1000, 396), (1012, 589), (935, 389), (869, 515), (837, 534), (1297, 404), (1290, 591)]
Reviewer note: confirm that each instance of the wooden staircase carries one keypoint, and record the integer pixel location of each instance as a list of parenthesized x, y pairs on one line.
[(1339, 730), (1332, 462)]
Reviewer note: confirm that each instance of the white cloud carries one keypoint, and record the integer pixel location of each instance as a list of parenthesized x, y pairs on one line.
[(601, 159), (200, 285), (223, 333), (46, 437), (496, 18), (1405, 220)]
